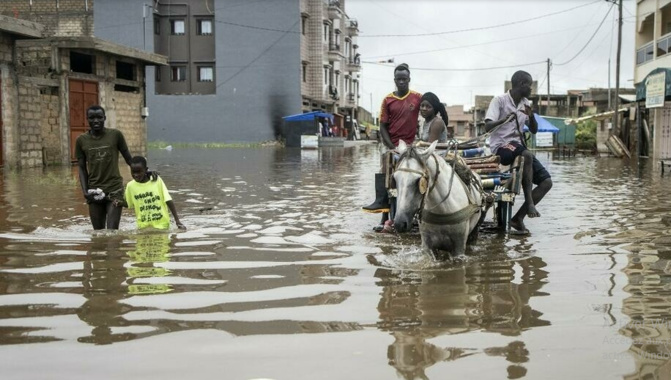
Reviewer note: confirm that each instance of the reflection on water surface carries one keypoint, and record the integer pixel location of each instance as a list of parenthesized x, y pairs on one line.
[(272, 280)]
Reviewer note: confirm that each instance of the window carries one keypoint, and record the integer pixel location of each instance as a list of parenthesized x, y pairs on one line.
[(205, 74), (326, 32), (125, 70), (304, 22), (157, 73), (326, 75), (157, 26), (204, 27), (82, 63), (305, 72), (177, 73), (177, 27)]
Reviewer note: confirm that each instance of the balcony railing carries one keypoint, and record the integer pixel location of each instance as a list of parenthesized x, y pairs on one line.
[(334, 47), (355, 61), (663, 46), (645, 54), (350, 97)]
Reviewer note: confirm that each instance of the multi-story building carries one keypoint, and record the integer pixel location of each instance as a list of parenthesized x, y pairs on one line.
[(330, 63), (236, 67), (51, 70), (652, 76)]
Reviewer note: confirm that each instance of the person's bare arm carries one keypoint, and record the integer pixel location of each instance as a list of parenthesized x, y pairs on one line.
[(173, 210), (435, 129), (84, 179), (386, 138), (491, 124), (533, 124)]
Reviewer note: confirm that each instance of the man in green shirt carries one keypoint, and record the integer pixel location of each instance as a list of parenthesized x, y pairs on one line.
[(97, 153)]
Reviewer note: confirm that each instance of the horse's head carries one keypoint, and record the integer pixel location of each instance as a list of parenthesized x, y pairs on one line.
[(412, 182)]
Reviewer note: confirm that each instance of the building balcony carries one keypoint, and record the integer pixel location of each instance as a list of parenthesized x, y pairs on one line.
[(334, 52), (663, 46), (354, 64), (353, 27), (335, 12), (645, 53)]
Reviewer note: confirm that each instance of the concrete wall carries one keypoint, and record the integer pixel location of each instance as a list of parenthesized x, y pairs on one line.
[(70, 18), (9, 102), (257, 72)]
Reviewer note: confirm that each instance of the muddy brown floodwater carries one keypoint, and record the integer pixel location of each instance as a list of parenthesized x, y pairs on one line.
[(271, 279)]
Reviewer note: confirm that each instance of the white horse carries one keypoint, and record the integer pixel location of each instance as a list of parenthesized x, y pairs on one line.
[(449, 210)]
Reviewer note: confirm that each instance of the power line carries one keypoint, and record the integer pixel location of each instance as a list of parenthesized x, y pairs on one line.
[(588, 41), (478, 28), (259, 27), (460, 69), (477, 44), (257, 57)]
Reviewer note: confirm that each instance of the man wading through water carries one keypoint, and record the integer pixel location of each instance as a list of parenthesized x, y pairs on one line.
[(510, 112), (398, 121)]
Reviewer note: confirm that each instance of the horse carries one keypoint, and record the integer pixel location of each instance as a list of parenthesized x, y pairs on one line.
[(450, 211)]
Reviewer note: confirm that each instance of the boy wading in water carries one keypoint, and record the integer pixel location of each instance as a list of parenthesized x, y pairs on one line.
[(149, 199)]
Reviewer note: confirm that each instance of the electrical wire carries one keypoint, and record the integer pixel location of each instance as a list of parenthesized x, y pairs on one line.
[(477, 44), (478, 28), (588, 41), (259, 56), (460, 69), (258, 27)]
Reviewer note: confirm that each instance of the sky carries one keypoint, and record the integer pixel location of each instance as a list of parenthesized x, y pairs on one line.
[(536, 30)]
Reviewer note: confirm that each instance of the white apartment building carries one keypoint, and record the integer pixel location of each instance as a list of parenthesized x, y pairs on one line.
[(652, 73)]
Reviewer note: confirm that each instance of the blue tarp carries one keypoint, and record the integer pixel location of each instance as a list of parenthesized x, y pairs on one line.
[(543, 125), (308, 116)]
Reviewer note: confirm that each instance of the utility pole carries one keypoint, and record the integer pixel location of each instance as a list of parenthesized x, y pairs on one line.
[(609, 103), (616, 125), (547, 109)]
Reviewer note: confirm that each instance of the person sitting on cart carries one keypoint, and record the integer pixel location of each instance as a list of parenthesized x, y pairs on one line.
[(435, 119), (506, 116)]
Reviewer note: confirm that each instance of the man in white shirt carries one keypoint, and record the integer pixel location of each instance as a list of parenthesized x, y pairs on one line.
[(509, 113)]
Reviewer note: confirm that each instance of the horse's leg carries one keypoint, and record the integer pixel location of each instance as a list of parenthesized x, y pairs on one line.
[(459, 242), (473, 236)]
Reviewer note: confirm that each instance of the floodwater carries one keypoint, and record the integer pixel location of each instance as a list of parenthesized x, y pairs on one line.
[(272, 280)]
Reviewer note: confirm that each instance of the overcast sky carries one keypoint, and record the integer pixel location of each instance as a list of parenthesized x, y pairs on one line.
[(560, 37)]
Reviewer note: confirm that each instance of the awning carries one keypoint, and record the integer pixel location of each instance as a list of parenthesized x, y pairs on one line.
[(543, 125), (308, 116)]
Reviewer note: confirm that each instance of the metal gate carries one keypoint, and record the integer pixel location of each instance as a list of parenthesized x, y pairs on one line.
[(83, 94)]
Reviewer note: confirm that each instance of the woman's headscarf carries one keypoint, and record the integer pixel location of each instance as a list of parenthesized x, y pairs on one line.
[(438, 107)]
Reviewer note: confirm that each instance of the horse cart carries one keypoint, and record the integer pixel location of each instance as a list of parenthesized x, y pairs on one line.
[(499, 184)]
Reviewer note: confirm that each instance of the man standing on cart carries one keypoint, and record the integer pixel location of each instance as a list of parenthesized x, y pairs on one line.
[(398, 121), (506, 116)]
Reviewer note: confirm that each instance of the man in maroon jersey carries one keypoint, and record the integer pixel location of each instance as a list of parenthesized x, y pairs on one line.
[(398, 121)]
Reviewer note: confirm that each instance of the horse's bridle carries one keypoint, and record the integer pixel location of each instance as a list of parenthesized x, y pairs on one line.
[(427, 215), (424, 174)]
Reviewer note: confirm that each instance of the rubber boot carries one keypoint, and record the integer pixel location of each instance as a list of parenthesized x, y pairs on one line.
[(381, 203)]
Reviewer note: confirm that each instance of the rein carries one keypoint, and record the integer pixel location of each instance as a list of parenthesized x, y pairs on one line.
[(426, 215)]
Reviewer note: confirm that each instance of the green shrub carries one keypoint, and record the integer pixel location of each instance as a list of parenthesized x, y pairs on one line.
[(585, 135)]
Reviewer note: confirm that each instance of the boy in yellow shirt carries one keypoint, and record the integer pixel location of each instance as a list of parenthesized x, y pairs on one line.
[(149, 199)]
